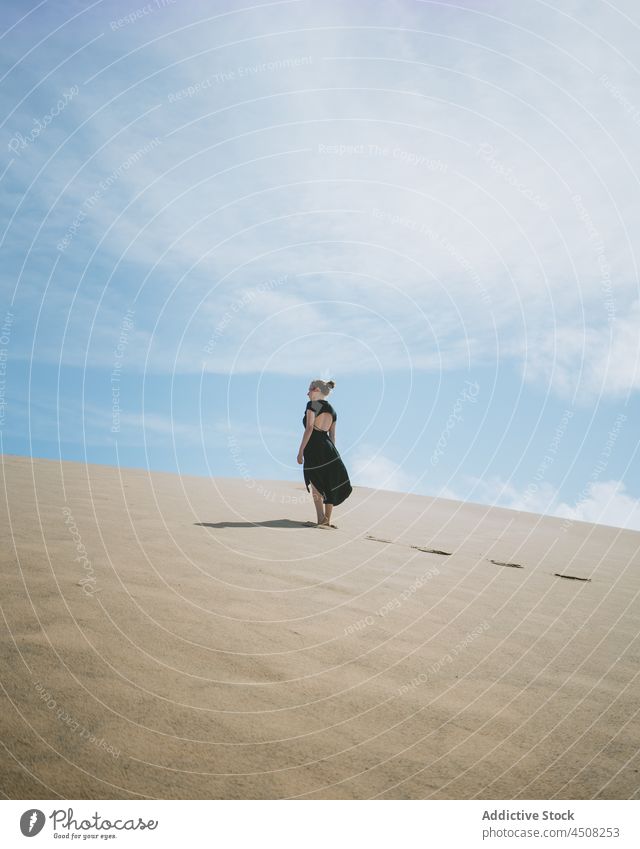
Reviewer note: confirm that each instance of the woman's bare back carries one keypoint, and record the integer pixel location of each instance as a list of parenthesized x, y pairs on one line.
[(321, 423)]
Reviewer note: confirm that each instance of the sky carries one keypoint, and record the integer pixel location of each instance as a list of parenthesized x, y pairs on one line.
[(206, 205)]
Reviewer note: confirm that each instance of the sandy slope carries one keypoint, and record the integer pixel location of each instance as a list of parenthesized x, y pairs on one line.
[(215, 648)]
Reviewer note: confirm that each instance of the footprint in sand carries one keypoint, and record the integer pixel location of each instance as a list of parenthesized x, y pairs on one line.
[(418, 547), (449, 553), (571, 577), (510, 565), (433, 551)]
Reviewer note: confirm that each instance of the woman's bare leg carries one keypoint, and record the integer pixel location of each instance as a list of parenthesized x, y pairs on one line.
[(327, 512), (317, 500)]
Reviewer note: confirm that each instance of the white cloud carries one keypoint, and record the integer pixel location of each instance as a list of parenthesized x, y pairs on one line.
[(243, 186), (603, 360), (370, 468), (601, 502), (605, 503), (537, 498)]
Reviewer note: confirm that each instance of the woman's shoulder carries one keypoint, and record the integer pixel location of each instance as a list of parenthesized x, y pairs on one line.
[(329, 409)]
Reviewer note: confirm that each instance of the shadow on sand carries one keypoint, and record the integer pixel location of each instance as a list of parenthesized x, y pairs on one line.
[(271, 523)]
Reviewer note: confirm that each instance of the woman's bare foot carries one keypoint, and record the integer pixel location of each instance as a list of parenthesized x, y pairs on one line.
[(318, 504), (326, 524)]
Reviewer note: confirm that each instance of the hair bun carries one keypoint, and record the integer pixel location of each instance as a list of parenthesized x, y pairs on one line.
[(331, 383)]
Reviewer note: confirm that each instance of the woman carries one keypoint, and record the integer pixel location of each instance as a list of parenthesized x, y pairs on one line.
[(323, 467)]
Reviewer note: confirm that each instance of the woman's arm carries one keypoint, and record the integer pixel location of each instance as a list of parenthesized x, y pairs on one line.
[(308, 430), (332, 433)]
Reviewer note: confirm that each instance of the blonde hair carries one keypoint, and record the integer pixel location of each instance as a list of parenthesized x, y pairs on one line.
[(324, 387)]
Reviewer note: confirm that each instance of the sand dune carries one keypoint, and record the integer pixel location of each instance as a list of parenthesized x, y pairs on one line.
[(167, 637)]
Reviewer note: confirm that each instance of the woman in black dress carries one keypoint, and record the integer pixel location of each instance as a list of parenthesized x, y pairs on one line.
[(323, 467)]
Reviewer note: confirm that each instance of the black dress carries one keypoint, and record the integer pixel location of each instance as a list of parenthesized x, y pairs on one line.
[(323, 466)]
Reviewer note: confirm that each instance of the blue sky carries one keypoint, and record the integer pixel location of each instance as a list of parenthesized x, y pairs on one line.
[(206, 206)]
